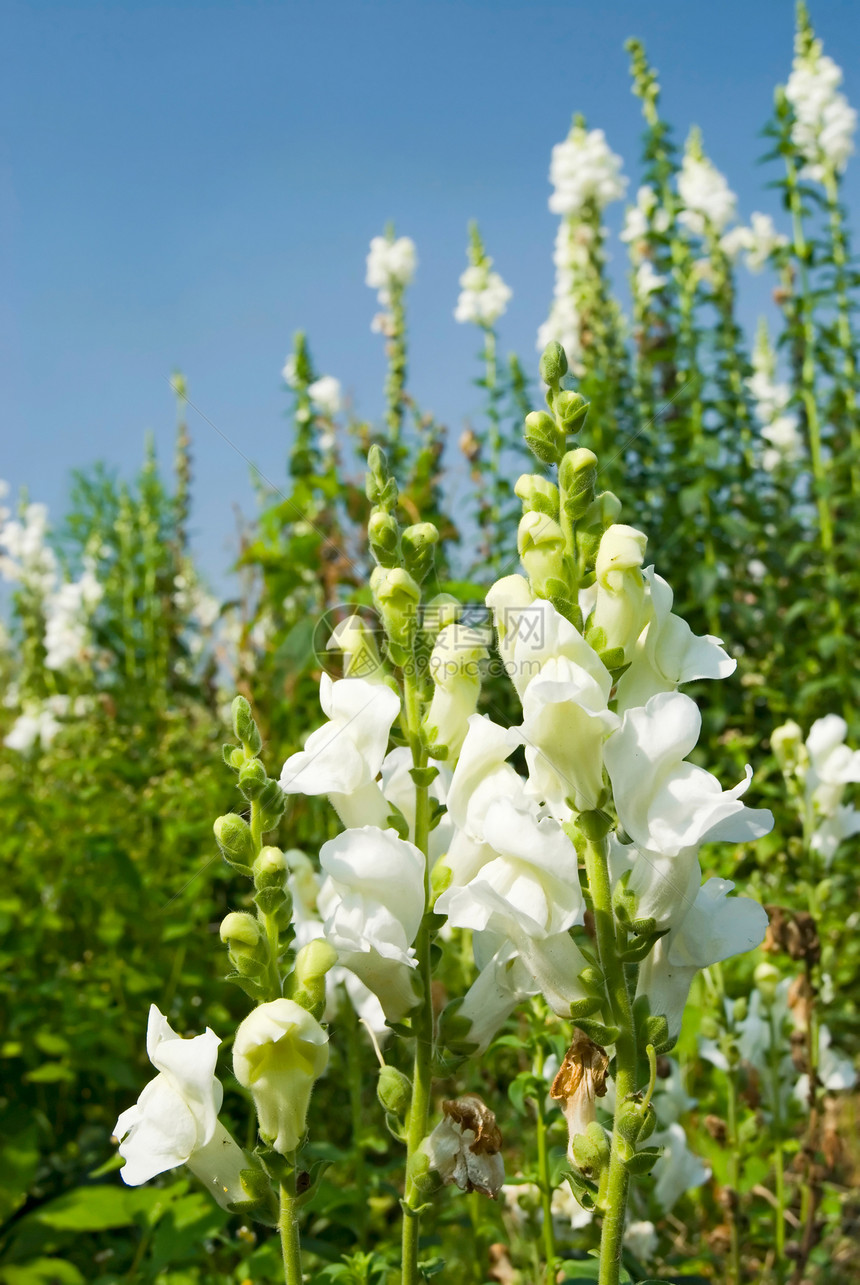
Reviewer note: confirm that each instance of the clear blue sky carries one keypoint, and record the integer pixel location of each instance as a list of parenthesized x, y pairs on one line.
[(186, 184)]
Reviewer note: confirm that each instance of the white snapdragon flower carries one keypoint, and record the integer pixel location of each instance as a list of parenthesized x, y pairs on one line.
[(836, 1072), (620, 606), (325, 394), (289, 372), (667, 652), (280, 1051), (760, 241), (531, 874), (25, 558), (343, 757), (372, 902), (665, 804), (832, 765), (502, 983), (646, 280), (564, 323), (708, 201), (455, 670), (175, 1119), (778, 425), (824, 122), (483, 296), (678, 1170), (714, 928), (67, 612), (643, 218), (640, 1237), (390, 263), (583, 169)]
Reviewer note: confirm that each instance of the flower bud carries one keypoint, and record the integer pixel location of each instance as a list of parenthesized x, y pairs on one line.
[(577, 478), (233, 836), (279, 1052), (245, 940), (620, 609), (396, 596), (270, 869), (383, 537), (440, 611), (767, 978), (380, 487), (571, 409), (540, 541), (419, 545), (789, 749), (252, 779), (308, 979), (244, 727), (634, 1121), (537, 494), (545, 439), (553, 363), (272, 802), (361, 657), (394, 1091), (455, 670)]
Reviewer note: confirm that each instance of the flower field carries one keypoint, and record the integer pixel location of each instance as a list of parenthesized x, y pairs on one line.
[(466, 890)]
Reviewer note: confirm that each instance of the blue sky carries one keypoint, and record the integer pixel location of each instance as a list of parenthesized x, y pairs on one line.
[(186, 184)]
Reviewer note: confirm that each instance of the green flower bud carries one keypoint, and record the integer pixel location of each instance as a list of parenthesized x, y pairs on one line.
[(272, 803), (545, 439), (244, 727), (419, 544), (380, 486), (233, 836), (577, 478), (553, 363), (278, 1053), (271, 869), (361, 657), (383, 536), (396, 596), (440, 611), (245, 940), (571, 409), (394, 1091), (634, 1121), (537, 494), (252, 779), (540, 541), (767, 978), (307, 982)]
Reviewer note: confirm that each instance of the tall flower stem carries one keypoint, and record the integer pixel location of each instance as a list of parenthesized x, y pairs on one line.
[(419, 1108), (288, 1227), (544, 1181), (845, 338), (491, 381), (618, 1182)]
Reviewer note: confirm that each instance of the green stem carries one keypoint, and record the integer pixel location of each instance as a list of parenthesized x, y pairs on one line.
[(288, 1228), (778, 1155), (550, 1252), (618, 1181), (733, 1173), (839, 251), (353, 1070), (422, 1073), (491, 379)]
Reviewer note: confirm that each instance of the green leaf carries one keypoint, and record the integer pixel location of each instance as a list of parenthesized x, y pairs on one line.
[(19, 1157), (90, 1209), (42, 1271)]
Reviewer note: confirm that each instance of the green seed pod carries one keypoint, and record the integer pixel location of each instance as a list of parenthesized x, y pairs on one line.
[(590, 1150), (553, 363), (233, 836), (244, 727), (634, 1121), (394, 1091)]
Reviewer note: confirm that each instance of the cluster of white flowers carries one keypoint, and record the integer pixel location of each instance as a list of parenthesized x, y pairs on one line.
[(759, 241), (325, 395), (483, 295), (391, 265), (644, 219), (824, 122), (818, 771), (779, 426), (40, 721), (708, 201), (67, 619), (25, 558), (67, 605), (583, 170), (573, 243)]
